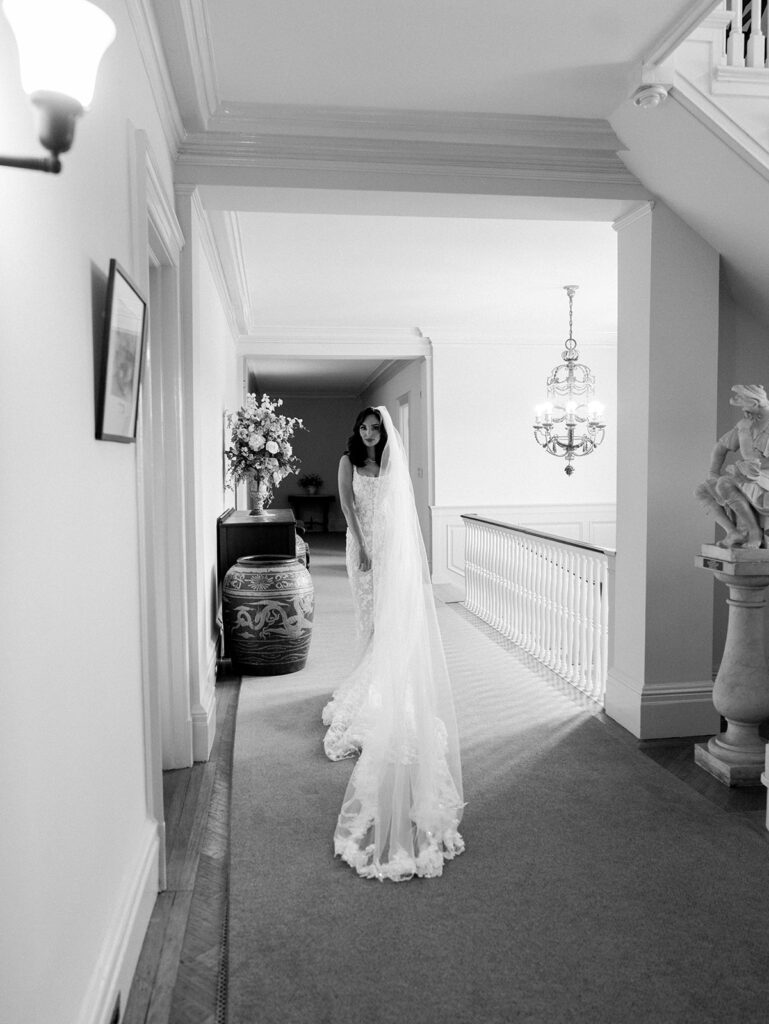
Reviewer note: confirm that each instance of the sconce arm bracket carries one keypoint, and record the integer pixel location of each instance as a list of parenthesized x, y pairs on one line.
[(51, 164)]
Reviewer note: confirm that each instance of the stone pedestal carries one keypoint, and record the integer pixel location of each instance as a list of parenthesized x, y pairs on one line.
[(741, 692)]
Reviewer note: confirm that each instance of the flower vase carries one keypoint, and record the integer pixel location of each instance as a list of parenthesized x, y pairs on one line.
[(260, 495)]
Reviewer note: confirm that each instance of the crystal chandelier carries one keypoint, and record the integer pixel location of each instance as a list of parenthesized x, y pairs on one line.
[(570, 422)]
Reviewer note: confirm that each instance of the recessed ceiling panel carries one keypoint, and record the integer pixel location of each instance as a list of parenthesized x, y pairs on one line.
[(498, 56)]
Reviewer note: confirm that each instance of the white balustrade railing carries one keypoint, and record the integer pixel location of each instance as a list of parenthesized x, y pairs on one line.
[(746, 38), (549, 595)]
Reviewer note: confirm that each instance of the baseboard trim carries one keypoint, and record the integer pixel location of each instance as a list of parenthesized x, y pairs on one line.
[(655, 711), (122, 944), (204, 715)]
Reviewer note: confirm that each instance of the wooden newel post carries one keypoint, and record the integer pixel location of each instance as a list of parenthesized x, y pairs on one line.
[(741, 690)]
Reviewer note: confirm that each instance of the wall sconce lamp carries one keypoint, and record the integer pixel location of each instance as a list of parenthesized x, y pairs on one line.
[(60, 44)]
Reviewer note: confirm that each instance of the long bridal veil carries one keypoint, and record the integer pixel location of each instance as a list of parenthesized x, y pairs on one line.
[(403, 804)]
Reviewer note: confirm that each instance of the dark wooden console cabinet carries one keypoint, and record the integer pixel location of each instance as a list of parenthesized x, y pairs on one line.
[(238, 533)]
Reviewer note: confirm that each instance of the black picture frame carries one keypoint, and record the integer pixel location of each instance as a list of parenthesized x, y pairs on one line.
[(125, 329)]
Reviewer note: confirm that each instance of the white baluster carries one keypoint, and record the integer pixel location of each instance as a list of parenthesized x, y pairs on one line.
[(735, 48), (470, 559), (756, 41), (520, 582), (591, 568), (484, 599), (607, 579), (531, 625), (573, 605), (501, 581), (583, 578), (547, 625)]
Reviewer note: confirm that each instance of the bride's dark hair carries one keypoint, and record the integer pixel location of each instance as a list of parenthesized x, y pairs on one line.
[(356, 449)]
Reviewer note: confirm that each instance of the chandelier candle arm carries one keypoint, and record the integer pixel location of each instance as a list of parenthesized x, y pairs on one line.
[(570, 423)]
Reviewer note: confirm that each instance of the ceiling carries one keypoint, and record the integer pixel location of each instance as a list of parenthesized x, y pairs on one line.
[(482, 250), (489, 56)]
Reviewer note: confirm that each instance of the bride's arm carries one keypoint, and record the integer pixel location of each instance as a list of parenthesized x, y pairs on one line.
[(348, 508)]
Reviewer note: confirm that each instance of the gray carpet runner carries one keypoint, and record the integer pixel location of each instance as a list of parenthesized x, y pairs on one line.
[(595, 886)]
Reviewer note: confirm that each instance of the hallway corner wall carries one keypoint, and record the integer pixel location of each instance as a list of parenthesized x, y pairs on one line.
[(211, 388), (660, 680), (79, 853)]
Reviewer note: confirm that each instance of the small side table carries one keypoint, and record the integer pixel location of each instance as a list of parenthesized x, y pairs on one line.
[(305, 505)]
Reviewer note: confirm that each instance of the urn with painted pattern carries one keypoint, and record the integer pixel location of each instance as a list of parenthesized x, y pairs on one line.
[(267, 609)]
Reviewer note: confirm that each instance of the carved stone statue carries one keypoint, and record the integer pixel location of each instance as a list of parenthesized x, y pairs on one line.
[(738, 495)]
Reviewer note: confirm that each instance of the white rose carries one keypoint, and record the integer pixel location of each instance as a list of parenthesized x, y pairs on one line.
[(272, 448)]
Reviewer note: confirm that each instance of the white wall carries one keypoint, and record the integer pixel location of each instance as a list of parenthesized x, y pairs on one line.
[(485, 392), (660, 676), (78, 853), (216, 389)]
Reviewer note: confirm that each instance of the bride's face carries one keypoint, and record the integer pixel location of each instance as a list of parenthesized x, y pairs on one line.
[(370, 431)]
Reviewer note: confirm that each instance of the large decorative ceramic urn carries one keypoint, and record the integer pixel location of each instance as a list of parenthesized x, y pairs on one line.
[(267, 609)]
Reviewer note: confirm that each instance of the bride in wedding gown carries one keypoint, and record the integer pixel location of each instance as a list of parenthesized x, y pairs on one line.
[(401, 812)]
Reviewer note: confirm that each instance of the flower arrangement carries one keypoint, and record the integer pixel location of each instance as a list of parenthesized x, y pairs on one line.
[(311, 482), (260, 449)]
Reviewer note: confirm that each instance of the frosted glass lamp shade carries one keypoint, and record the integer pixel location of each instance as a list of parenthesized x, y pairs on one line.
[(60, 44)]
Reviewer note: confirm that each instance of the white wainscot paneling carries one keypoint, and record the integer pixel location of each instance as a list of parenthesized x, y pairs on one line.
[(594, 524)]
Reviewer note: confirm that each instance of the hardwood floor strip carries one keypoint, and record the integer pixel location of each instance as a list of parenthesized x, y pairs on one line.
[(165, 981), (140, 995), (175, 785), (179, 975)]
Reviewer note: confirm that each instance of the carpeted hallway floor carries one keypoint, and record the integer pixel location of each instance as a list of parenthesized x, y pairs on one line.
[(595, 887)]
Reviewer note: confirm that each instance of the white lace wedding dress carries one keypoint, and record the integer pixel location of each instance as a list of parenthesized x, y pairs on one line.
[(401, 811), (341, 714)]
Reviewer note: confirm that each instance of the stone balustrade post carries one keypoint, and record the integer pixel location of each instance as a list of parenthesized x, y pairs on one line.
[(736, 757)]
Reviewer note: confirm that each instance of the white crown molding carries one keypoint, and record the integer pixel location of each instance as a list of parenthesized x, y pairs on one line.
[(414, 166), (633, 215), (225, 229), (227, 148), (386, 369), (197, 35), (361, 148), (333, 342), (161, 211), (256, 119), (149, 45), (444, 337), (213, 255)]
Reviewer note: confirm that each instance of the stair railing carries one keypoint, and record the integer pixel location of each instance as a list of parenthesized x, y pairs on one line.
[(549, 595), (746, 36)]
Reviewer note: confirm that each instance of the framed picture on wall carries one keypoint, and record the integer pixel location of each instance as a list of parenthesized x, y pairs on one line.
[(125, 326)]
